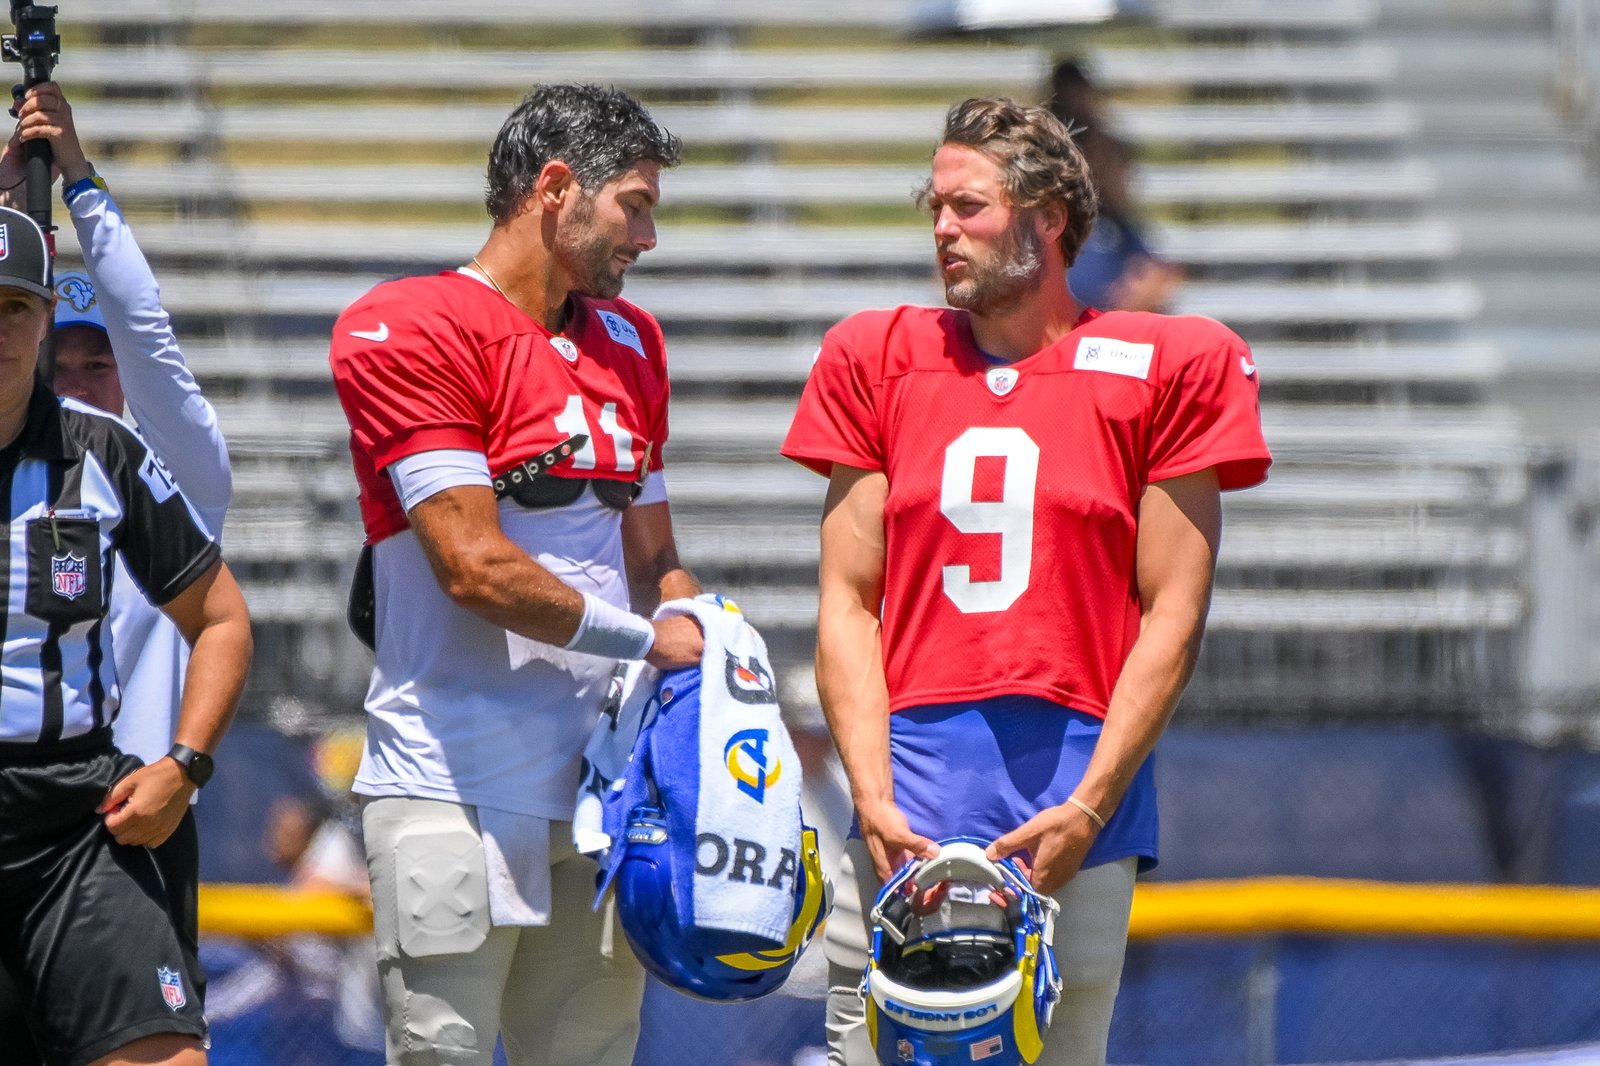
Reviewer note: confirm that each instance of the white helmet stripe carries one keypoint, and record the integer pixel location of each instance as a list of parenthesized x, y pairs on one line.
[(943, 1012)]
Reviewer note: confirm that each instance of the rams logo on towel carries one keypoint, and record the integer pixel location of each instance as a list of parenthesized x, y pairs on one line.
[(746, 756), (749, 681)]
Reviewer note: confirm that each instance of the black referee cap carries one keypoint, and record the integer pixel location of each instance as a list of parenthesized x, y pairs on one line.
[(24, 263)]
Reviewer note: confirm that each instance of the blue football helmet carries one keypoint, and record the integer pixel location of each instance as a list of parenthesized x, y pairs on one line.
[(961, 969), (697, 961)]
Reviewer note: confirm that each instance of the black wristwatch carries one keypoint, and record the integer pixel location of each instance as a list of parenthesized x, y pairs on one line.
[(197, 765)]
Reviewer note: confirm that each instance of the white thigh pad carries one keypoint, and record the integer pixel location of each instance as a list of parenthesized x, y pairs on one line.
[(441, 890)]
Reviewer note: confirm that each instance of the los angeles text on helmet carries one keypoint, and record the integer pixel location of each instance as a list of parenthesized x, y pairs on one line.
[(748, 861), (917, 1014)]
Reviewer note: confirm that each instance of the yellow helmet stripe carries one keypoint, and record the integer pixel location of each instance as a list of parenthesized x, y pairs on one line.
[(1024, 1019), (809, 908)]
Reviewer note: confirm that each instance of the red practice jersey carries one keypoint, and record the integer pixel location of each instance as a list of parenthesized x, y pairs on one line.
[(1014, 488), (446, 362)]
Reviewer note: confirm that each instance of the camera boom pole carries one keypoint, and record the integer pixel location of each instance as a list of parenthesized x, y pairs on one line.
[(37, 46)]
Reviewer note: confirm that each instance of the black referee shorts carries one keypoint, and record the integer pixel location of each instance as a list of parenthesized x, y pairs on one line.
[(86, 931)]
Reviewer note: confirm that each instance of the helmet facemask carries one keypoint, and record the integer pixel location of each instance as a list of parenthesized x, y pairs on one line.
[(962, 968)]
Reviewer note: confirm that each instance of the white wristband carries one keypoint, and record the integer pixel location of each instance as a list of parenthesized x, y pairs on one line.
[(611, 632)]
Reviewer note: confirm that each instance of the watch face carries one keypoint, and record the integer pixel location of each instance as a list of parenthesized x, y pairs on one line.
[(200, 769)]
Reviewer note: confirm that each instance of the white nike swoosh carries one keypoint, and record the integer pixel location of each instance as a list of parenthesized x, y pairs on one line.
[(378, 335), (1247, 366)]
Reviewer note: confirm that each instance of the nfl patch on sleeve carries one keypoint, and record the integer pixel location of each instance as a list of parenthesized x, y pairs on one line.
[(171, 988), (1114, 357)]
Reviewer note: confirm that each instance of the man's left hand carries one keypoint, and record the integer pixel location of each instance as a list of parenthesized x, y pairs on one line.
[(679, 643), (145, 807), (1057, 838)]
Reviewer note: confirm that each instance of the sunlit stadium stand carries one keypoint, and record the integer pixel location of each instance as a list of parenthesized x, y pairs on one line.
[(275, 183), (1411, 563)]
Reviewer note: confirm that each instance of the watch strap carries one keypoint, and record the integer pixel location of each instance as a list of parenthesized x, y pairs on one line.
[(186, 757)]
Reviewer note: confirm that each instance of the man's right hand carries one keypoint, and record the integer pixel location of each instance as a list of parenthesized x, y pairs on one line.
[(679, 643), (890, 841)]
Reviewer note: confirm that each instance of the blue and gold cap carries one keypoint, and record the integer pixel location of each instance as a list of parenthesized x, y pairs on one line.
[(77, 303)]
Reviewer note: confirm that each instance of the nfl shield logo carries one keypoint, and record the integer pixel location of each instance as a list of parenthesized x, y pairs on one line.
[(69, 575), (171, 987), (5, 240), (1001, 379)]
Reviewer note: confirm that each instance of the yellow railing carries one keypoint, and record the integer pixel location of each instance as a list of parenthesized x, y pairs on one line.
[(1185, 908), (261, 911), (1363, 908)]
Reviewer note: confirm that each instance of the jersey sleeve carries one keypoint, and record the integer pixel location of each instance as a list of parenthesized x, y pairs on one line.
[(408, 378), (162, 540), (837, 420), (1208, 414), (658, 424)]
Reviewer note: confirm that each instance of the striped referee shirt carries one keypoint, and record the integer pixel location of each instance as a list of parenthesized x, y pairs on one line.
[(81, 486)]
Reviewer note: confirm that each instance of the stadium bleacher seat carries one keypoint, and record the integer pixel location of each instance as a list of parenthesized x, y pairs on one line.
[(1279, 178)]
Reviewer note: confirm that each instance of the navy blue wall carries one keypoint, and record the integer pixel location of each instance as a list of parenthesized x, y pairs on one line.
[(1401, 805)]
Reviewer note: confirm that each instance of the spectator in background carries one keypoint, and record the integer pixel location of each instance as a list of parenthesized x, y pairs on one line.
[(1116, 270), (305, 999), (114, 347), (320, 848), (319, 852)]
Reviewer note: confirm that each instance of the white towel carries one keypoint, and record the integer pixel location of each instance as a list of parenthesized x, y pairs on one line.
[(747, 818), (628, 709), (516, 855)]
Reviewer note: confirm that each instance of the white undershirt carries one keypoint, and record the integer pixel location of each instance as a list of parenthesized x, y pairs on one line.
[(461, 710), (416, 477)]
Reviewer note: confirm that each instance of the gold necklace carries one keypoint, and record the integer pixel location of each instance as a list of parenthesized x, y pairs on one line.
[(490, 279)]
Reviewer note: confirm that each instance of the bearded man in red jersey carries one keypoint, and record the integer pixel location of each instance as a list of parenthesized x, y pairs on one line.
[(1018, 544), (507, 420)]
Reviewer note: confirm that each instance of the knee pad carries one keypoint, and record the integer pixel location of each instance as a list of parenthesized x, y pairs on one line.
[(433, 1033)]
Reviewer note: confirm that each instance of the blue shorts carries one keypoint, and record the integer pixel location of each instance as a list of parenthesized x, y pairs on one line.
[(982, 768)]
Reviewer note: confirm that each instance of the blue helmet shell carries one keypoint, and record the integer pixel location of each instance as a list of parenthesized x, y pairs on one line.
[(704, 963)]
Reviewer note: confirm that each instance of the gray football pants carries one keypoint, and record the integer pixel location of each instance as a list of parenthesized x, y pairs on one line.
[(451, 982), (1091, 937)]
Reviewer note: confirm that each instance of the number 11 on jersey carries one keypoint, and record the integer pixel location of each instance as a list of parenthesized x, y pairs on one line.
[(573, 422), (1011, 516)]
